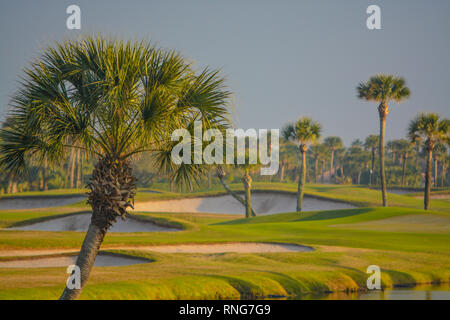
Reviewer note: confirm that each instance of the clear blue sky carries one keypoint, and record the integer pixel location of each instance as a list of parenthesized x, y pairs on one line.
[(282, 59)]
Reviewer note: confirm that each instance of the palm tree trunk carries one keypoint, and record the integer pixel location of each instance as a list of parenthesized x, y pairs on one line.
[(403, 170), (372, 167), (316, 173), (322, 171), (247, 187), (302, 178), (383, 110), (435, 172), (282, 171), (220, 174), (86, 258), (426, 199), (72, 169), (112, 191), (332, 164), (443, 175), (78, 179), (44, 174), (209, 179)]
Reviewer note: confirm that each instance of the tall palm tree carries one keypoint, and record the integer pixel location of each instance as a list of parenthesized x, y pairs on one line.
[(304, 132), (371, 143), (429, 128), (383, 89), (333, 143), (114, 100)]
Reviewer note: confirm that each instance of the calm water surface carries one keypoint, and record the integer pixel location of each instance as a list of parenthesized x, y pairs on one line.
[(423, 292)]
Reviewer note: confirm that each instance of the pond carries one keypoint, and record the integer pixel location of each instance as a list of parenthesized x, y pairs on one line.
[(421, 292)]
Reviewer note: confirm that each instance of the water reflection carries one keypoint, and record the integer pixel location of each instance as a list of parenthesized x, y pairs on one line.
[(423, 292)]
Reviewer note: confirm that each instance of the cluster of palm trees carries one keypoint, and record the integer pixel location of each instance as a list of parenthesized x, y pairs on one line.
[(427, 129)]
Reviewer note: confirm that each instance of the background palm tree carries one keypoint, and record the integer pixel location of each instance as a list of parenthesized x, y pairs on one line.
[(318, 152), (304, 131), (371, 143), (383, 89), (404, 148), (439, 154), (430, 129), (114, 100), (333, 143)]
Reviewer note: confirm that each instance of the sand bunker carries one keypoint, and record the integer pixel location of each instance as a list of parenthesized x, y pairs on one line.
[(102, 260), (239, 247), (263, 203), (80, 222), (38, 202)]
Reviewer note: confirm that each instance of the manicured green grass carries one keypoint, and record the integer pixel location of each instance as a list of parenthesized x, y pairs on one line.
[(345, 247)]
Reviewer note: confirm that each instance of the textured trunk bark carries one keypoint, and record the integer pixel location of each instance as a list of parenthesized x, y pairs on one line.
[(112, 191), (248, 196), (86, 258), (426, 200), (302, 178), (383, 110)]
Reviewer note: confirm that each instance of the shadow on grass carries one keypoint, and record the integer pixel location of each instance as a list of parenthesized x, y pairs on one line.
[(299, 216)]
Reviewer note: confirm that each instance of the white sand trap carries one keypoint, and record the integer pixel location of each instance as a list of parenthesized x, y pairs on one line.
[(263, 203), (80, 222), (37, 202), (102, 260), (239, 247)]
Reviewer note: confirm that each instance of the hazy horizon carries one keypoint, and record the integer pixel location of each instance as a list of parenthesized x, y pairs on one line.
[(282, 60)]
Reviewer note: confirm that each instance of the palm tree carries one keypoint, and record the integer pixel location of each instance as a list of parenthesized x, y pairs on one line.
[(113, 100), (439, 155), (332, 143), (404, 148), (429, 128), (383, 89), (371, 143), (318, 152), (304, 131)]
